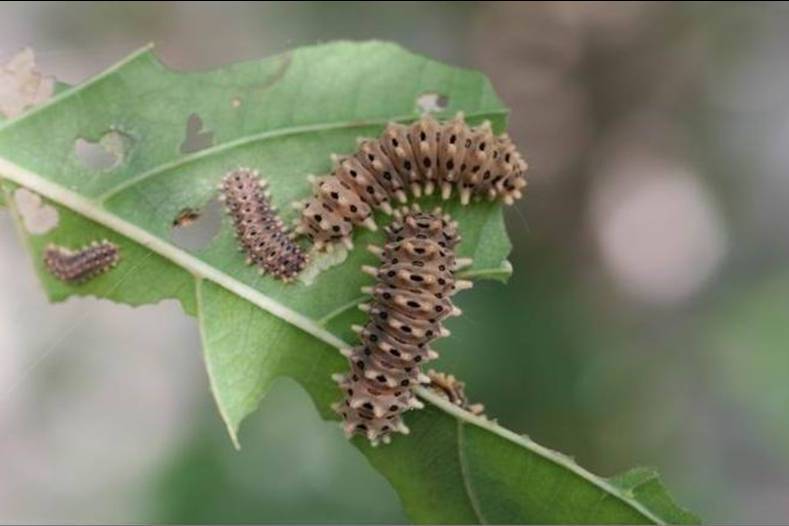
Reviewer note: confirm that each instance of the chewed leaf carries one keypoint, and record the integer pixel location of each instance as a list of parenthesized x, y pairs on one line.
[(645, 485), (141, 278), (22, 86), (284, 116), (38, 217)]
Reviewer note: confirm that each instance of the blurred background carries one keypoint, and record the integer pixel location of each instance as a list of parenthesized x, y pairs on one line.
[(646, 322)]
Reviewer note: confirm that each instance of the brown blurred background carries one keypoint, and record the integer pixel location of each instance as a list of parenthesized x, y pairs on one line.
[(646, 322)]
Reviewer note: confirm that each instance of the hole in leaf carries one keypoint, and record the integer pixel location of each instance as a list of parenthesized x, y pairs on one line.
[(38, 217), (196, 138), (321, 261), (193, 229), (106, 154), (432, 102), (22, 86)]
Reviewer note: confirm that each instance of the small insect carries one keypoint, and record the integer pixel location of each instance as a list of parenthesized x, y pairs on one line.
[(78, 266), (411, 297), (260, 232), (186, 217), (418, 160)]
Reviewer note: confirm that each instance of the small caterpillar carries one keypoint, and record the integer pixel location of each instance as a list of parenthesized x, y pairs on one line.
[(411, 297), (83, 264), (420, 158), (449, 387), (261, 234)]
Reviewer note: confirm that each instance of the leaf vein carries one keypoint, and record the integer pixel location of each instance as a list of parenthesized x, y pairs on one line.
[(464, 470), (260, 137)]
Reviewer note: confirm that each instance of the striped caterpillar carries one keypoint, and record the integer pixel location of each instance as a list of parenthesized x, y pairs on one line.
[(83, 264), (260, 232), (418, 159), (410, 298)]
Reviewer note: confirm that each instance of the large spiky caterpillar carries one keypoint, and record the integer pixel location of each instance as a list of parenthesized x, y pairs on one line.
[(412, 295), (261, 234), (415, 159), (77, 266)]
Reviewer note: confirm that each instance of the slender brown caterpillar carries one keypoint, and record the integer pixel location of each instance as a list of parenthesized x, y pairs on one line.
[(83, 264), (415, 159), (261, 234), (410, 298), (449, 387)]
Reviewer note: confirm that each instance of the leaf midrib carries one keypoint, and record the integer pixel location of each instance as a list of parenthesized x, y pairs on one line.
[(201, 270)]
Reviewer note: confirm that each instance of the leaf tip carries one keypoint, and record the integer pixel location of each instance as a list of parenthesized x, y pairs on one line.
[(233, 432)]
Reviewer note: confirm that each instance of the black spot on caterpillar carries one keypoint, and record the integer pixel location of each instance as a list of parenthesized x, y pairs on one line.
[(261, 234), (415, 159), (81, 265), (411, 297)]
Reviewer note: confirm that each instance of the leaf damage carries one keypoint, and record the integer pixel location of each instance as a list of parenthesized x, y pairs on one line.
[(38, 217), (288, 341), (22, 86)]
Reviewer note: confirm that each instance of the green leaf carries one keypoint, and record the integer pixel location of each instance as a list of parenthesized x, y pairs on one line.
[(285, 115), (644, 484), (58, 88)]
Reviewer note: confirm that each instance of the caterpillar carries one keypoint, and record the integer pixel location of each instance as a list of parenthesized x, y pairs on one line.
[(415, 159), (411, 296), (261, 234), (452, 389), (83, 264)]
